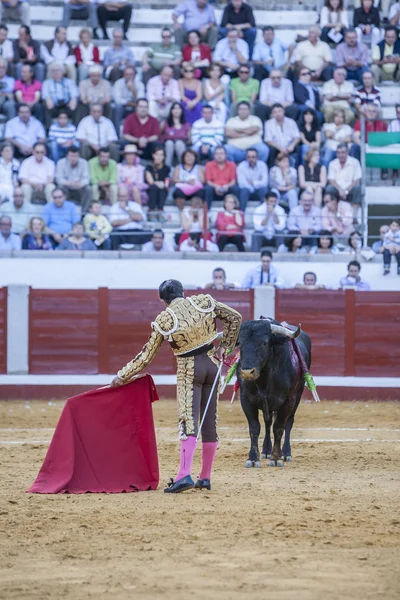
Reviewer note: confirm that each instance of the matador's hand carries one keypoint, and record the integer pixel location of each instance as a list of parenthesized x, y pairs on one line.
[(116, 382)]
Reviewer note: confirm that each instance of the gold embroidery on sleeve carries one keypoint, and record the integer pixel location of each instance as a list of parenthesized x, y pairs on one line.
[(232, 321)]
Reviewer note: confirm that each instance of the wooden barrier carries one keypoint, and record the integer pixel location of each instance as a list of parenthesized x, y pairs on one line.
[(3, 330)]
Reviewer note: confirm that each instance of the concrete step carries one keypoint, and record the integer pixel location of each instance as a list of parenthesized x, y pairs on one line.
[(390, 94), (382, 195)]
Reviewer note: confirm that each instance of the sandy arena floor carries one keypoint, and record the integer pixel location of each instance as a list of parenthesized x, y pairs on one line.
[(324, 527)]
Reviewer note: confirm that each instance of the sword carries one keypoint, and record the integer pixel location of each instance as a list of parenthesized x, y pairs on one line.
[(209, 399)]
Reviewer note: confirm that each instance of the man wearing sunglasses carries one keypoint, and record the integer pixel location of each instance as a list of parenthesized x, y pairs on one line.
[(306, 94), (161, 54), (243, 89)]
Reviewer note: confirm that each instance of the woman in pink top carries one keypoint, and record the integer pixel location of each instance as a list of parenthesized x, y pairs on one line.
[(28, 91), (131, 174), (230, 224), (175, 133)]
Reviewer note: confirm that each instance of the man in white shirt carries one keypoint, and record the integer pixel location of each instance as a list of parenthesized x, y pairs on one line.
[(19, 211), (394, 126), (252, 176), (269, 221), (8, 240), (276, 89), (207, 133), (231, 52), (37, 176), (6, 47), (59, 51), (24, 131), (244, 132), (306, 218), (281, 134), (127, 219), (157, 243), (162, 91), (264, 274), (95, 132), (314, 55), (338, 93), (125, 92), (344, 175)]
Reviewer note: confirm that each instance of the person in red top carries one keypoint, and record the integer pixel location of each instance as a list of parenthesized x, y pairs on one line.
[(199, 55), (28, 90), (372, 124), (220, 177), (141, 129), (230, 224), (86, 53)]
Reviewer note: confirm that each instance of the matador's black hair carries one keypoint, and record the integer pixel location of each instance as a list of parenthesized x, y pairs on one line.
[(170, 289)]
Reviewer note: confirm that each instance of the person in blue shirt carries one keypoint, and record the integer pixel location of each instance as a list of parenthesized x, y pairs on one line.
[(59, 215), (270, 54), (264, 274), (8, 240)]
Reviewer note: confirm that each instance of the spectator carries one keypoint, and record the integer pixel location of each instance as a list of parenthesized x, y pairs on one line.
[(191, 93), (333, 22), (207, 134), (141, 129), (8, 240), (293, 244), (366, 22), (276, 90), (72, 176), (15, 10), (62, 135), (309, 282), (391, 247), (159, 55), (214, 92), (337, 217), (353, 278), (94, 90), (58, 93), (7, 104), (219, 281), (355, 244), (86, 53), (175, 133), (82, 10), (24, 131), (97, 227), (157, 243), (243, 89), (231, 52), (244, 132), (335, 133), (344, 175), (6, 46), (230, 224), (117, 57), (59, 216), (192, 218), (103, 176), (95, 132), (37, 175), (269, 220), (264, 274), (114, 11), (157, 178), (352, 55), (270, 54), (195, 242), (220, 177), (394, 126), (19, 211), (131, 174), (9, 168), (283, 180), (59, 52), (307, 95), (377, 246), (394, 14), (325, 244), (372, 125), (367, 94), (76, 240), (306, 218), (27, 52), (162, 91), (127, 220), (252, 176), (196, 54), (315, 55), (338, 93), (239, 15), (188, 178), (310, 132), (36, 238), (198, 15), (125, 92), (386, 57), (28, 91), (312, 175), (281, 134)]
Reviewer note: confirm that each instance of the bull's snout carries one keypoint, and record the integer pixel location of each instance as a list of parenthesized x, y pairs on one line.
[(249, 374)]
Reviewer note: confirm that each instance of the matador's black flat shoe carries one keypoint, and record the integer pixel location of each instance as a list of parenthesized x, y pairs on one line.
[(203, 484), (174, 487)]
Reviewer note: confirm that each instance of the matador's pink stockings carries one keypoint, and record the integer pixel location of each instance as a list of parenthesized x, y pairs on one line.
[(188, 448), (208, 451)]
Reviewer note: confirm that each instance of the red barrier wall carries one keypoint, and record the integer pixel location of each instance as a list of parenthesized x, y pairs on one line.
[(3, 330)]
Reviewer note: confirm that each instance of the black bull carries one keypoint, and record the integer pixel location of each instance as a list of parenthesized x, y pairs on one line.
[(270, 382)]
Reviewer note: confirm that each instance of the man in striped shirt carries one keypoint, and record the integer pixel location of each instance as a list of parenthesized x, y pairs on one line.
[(207, 133), (61, 136)]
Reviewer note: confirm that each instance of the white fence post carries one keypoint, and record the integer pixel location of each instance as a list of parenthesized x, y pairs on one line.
[(17, 329)]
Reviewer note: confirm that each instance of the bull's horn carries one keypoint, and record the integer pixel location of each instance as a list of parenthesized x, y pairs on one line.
[(279, 330)]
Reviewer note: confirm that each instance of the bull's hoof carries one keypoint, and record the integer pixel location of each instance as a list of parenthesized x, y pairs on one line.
[(257, 464), (272, 463), (288, 458), (266, 456), (275, 463), (252, 463), (279, 463)]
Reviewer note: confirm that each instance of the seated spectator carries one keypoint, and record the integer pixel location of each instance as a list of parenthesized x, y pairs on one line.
[(372, 125), (97, 227), (231, 52), (196, 54), (59, 216), (386, 56), (367, 94), (244, 132), (104, 177), (219, 281), (333, 22), (125, 93), (271, 54), (117, 57), (175, 133), (283, 180), (309, 282), (36, 238), (37, 176), (127, 220), (366, 22), (131, 174), (307, 95), (325, 244), (17, 11), (72, 176), (27, 91), (377, 246), (94, 90), (338, 93), (207, 134), (59, 52), (220, 177), (214, 92), (159, 55), (9, 169), (195, 243), (6, 47), (355, 244), (310, 132), (344, 175), (269, 220), (8, 240), (26, 51), (95, 132), (312, 175), (20, 211), (117, 11), (162, 91), (314, 55), (188, 178), (61, 137), (293, 243), (7, 104), (353, 278), (337, 217), (141, 129), (391, 247), (335, 133), (394, 14), (157, 178), (394, 126), (352, 55), (281, 134), (252, 176), (24, 131), (230, 224), (86, 53), (192, 217), (306, 218), (191, 93), (58, 93), (82, 10), (198, 15), (276, 90), (264, 274), (239, 15), (243, 89), (76, 240), (157, 243)]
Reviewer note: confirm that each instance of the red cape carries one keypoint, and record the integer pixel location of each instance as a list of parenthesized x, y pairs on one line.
[(104, 442)]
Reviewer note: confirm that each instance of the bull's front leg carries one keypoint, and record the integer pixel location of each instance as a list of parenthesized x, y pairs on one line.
[(251, 412), (267, 445)]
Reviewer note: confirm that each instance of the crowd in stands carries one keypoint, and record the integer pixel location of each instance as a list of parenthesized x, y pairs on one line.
[(209, 114)]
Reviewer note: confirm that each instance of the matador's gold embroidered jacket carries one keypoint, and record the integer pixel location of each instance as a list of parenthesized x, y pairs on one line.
[(187, 324)]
